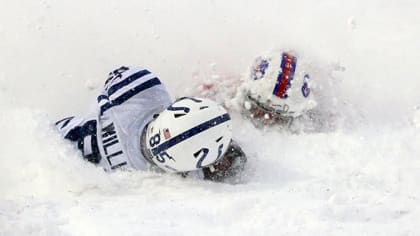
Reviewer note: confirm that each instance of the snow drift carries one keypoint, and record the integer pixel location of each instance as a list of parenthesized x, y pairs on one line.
[(361, 178)]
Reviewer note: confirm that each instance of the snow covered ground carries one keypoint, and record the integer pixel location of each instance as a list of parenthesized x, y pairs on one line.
[(361, 178)]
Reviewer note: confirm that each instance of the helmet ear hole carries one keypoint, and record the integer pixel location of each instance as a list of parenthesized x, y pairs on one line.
[(204, 107), (218, 140)]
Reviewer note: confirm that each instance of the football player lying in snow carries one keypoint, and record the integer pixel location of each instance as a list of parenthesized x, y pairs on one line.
[(276, 90), (137, 126)]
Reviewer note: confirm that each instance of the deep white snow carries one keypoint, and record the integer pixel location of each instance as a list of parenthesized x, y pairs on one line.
[(360, 177)]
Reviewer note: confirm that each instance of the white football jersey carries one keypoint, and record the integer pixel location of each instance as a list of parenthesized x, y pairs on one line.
[(129, 100)]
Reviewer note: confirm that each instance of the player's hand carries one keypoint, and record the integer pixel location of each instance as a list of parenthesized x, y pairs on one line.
[(230, 165)]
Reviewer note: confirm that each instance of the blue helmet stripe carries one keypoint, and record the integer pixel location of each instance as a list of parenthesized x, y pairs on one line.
[(190, 133)]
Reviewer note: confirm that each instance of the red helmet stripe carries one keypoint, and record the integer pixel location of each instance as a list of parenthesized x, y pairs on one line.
[(288, 66)]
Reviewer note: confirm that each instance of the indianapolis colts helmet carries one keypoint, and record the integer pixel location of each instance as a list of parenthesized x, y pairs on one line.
[(190, 134)]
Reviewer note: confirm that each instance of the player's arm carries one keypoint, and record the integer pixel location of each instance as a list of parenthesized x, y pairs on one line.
[(83, 132), (69, 127), (124, 85)]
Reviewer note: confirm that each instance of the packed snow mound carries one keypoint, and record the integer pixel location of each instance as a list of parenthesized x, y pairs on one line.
[(416, 118), (359, 177), (348, 182)]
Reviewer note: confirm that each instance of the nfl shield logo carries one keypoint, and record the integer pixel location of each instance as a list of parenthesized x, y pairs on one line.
[(166, 133)]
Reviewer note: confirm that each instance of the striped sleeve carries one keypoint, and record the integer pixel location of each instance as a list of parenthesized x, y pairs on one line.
[(83, 132), (67, 126), (127, 83)]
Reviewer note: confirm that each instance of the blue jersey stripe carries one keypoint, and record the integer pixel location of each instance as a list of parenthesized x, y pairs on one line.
[(139, 88), (66, 121), (114, 88), (102, 97), (190, 133), (130, 93), (105, 107)]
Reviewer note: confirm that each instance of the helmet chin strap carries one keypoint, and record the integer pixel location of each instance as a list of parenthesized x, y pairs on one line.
[(143, 147)]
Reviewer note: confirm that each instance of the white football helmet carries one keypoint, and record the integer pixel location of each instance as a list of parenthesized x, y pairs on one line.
[(278, 84), (190, 134)]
